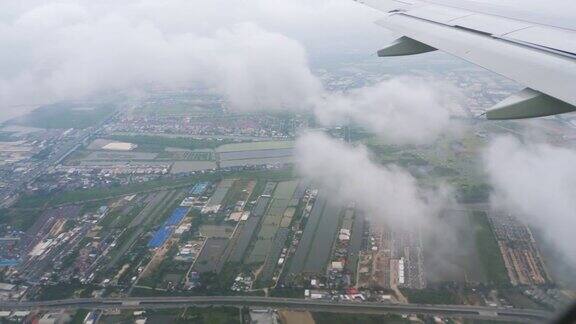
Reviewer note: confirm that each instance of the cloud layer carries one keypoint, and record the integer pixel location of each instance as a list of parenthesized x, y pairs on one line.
[(403, 110), (251, 67), (536, 182), (388, 193), (73, 48)]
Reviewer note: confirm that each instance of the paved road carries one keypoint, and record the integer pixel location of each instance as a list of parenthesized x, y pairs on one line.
[(477, 312)]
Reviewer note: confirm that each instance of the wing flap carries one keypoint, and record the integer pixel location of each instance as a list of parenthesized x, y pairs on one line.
[(528, 104), (405, 46)]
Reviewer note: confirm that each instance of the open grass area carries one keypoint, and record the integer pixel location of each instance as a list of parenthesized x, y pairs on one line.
[(342, 318), (179, 106), (216, 315), (150, 143), (121, 218), (430, 296), (265, 145), (488, 251), (66, 115)]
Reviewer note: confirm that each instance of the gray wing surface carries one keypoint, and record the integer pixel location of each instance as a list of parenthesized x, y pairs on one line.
[(541, 57)]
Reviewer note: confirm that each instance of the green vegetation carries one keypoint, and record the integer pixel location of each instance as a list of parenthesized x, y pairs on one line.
[(65, 290), (177, 106), (65, 115), (383, 150), (518, 299), (477, 321), (19, 218), (68, 260), (69, 197), (258, 189), (158, 213), (167, 266), (187, 155), (264, 145), (287, 292), (79, 316), (216, 315), (441, 296), (411, 159), (444, 171), (128, 232), (198, 315), (121, 218), (151, 143), (102, 193), (488, 251), (473, 193), (343, 318)]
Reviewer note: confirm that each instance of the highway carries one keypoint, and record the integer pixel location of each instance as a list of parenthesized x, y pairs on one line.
[(475, 312)]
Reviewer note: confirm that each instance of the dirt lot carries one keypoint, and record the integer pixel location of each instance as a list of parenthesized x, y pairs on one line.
[(295, 317)]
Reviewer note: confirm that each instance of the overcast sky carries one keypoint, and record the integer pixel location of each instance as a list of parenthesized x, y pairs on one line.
[(57, 50)]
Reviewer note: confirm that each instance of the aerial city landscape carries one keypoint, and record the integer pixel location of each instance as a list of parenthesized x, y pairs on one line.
[(249, 161), (178, 196)]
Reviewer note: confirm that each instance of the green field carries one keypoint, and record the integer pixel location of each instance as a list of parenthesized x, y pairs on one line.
[(216, 315), (265, 145), (66, 115), (271, 220), (430, 296), (343, 318), (181, 106), (203, 155), (102, 193), (151, 143), (488, 251), (195, 315)]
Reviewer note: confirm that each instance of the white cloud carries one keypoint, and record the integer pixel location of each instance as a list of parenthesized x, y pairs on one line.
[(536, 182), (388, 193), (401, 110), (252, 67), (69, 49)]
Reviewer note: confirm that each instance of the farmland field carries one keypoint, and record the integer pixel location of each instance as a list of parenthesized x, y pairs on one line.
[(271, 220), (65, 115), (264, 145), (190, 166)]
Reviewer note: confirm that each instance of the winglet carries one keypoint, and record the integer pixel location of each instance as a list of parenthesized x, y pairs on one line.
[(405, 46), (528, 103)]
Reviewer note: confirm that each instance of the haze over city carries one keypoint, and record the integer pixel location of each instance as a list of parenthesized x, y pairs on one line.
[(263, 150)]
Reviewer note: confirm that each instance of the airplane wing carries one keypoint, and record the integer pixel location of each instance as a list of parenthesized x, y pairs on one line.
[(541, 57)]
